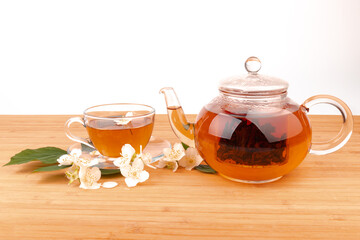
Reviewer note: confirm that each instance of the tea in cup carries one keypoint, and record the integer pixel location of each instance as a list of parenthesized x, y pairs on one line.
[(110, 126)]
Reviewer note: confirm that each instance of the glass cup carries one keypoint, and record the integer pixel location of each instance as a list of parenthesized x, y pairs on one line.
[(110, 126)]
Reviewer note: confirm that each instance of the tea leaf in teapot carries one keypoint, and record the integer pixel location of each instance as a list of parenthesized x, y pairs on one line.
[(252, 143), (205, 169), (51, 168), (47, 155)]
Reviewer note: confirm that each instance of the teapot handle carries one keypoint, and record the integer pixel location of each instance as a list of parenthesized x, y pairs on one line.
[(322, 148)]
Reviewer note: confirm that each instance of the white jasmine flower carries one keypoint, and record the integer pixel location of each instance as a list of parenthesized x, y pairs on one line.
[(89, 177), (133, 174), (80, 168), (68, 159), (109, 184), (76, 152), (191, 159), (65, 160), (78, 158), (174, 154), (127, 154), (137, 163), (73, 173), (120, 162), (171, 156), (146, 158), (127, 151), (132, 165), (85, 160), (163, 162), (132, 182), (124, 121)]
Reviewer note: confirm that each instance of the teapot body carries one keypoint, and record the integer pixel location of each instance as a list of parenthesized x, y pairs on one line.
[(252, 132), (257, 140)]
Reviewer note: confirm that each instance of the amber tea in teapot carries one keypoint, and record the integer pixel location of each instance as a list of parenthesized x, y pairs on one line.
[(252, 131), (253, 146)]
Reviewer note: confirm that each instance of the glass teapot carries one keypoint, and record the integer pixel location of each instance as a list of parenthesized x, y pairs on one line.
[(252, 132)]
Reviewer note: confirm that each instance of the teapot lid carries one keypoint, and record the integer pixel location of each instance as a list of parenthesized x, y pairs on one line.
[(253, 84)]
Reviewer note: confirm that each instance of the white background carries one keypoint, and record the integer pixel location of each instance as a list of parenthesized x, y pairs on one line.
[(60, 57)]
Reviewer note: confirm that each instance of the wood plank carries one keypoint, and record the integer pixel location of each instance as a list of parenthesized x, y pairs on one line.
[(319, 200)]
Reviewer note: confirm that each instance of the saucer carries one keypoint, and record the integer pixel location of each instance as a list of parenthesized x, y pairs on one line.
[(154, 147)]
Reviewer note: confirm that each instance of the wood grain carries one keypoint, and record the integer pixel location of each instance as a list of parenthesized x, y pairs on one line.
[(319, 200)]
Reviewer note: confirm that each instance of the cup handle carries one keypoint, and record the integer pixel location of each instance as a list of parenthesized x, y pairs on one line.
[(72, 136), (322, 148)]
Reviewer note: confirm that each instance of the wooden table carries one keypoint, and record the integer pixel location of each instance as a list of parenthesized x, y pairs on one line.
[(319, 200)]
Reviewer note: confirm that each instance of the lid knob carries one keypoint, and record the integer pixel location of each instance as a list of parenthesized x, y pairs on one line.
[(252, 65)]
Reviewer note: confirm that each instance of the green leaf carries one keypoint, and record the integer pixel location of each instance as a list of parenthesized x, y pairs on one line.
[(47, 155), (109, 171), (205, 169), (185, 145), (51, 168)]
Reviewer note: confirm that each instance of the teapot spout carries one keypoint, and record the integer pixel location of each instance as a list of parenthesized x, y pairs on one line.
[(183, 129)]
